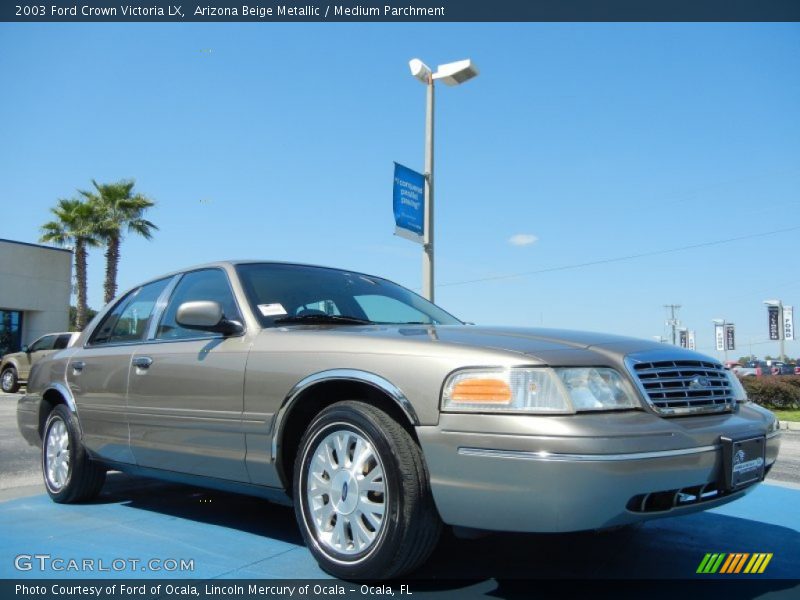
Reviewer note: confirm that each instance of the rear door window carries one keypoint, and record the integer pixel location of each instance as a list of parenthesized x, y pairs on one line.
[(62, 341), (129, 320)]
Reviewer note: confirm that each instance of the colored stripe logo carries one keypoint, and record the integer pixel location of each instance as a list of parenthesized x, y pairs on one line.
[(734, 563)]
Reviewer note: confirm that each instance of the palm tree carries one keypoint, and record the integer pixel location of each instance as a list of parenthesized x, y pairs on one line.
[(74, 225), (119, 211)]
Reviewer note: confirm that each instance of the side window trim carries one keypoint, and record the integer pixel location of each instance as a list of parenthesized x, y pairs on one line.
[(160, 308)]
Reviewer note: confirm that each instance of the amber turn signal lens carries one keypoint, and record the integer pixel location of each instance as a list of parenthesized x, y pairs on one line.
[(481, 391)]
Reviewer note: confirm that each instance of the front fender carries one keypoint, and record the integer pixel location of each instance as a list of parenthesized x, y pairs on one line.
[(376, 381)]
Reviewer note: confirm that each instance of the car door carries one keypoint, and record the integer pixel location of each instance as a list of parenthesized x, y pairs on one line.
[(186, 389), (97, 373)]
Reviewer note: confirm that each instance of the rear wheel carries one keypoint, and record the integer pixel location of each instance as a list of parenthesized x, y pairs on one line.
[(362, 497), (9, 382), (69, 474)]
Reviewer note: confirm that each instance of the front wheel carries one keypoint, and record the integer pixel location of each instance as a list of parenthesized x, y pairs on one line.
[(69, 474), (9, 381), (362, 497)]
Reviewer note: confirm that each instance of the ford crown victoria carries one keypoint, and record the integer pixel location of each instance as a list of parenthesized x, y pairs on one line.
[(381, 417)]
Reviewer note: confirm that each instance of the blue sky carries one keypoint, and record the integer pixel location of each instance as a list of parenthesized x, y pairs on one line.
[(277, 141)]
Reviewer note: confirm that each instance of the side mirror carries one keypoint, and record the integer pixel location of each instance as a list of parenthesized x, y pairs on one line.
[(205, 315), (25, 348)]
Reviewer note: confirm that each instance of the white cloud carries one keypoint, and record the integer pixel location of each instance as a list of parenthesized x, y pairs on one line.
[(522, 239)]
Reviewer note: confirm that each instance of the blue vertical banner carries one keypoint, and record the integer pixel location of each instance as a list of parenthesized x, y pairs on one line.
[(409, 203)]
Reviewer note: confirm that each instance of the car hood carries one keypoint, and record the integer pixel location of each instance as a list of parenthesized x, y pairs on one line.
[(12, 356), (547, 345)]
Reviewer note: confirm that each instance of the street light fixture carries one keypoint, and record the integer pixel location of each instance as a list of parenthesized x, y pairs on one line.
[(453, 73)]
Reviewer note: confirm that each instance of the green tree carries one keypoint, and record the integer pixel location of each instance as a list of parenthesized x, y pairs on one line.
[(119, 211), (74, 225), (73, 317)]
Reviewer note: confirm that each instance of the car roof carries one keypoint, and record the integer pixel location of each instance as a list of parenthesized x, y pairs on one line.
[(234, 263)]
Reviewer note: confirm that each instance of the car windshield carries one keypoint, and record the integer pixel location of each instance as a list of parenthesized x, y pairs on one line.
[(282, 294)]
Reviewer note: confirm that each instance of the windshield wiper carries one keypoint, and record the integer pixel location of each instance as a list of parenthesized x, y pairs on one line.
[(325, 319)]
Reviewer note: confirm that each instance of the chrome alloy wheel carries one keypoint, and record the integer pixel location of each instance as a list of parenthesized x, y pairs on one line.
[(56, 458), (7, 382), (346, 493)]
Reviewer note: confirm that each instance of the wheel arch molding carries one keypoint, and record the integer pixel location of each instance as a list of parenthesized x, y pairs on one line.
[(51, 396), (290, 421)]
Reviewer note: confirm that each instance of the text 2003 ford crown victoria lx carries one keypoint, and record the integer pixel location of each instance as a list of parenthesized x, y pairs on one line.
[(381, 416)]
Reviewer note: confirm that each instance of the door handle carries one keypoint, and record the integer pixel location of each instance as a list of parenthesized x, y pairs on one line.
[(77, 365), (142, 362)]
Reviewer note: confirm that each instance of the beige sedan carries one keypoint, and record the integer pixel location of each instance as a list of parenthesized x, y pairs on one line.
[(383, 418)]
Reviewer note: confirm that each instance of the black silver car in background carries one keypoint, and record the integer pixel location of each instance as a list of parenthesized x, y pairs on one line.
[(782, 369), (381, 417)]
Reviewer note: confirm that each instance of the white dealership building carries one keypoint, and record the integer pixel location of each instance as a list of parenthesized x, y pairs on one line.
[(35, 287)]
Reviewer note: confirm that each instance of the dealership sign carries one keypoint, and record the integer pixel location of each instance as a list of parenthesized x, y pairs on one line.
[(730, 337), (684, 338), (692, 344), (719, 335), (774, 318), (788, 323), (409, 203)]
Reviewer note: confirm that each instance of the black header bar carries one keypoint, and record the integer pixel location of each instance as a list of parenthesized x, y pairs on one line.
[(265, 11)]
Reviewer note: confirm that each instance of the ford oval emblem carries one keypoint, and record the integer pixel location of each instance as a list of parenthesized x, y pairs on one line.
[(698, 383)]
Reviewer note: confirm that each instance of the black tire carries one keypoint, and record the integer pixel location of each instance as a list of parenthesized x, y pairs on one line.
[(9, 381), (82, 479), (410, 526)]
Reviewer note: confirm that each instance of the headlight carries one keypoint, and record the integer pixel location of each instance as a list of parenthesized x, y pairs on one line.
[(597, 389), (541, 391), (739, 393)]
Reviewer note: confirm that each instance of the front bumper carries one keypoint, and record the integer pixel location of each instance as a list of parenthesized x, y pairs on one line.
[(592, 471)]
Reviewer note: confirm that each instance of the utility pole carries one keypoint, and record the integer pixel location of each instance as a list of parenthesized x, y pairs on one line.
[(673, 321)]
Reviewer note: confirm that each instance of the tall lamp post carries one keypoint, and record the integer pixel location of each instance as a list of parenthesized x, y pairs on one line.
[(781, 335), (452, 74)]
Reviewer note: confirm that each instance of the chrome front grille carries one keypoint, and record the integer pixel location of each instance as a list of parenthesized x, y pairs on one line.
[(679, 387)]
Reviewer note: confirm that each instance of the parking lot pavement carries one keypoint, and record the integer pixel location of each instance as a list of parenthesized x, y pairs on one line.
[(19, 462), (232, 536), (224, 534)]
